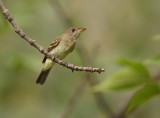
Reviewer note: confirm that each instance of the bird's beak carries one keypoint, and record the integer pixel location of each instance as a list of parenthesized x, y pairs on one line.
[(81, 29)]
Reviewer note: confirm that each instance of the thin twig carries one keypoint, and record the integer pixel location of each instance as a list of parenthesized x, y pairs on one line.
[(19, 31), (73, 100), (92, 80), (100, 98), (59, 10), (122, 113)]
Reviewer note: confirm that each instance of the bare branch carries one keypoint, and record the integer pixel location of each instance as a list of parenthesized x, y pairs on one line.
[(19, 31)]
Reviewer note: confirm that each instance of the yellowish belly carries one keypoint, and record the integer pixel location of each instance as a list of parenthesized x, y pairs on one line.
[(60, 52)]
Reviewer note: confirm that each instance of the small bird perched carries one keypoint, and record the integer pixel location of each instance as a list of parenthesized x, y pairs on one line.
[(60, 48)]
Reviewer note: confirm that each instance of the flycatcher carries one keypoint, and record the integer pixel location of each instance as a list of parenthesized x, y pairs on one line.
[(60, 48)]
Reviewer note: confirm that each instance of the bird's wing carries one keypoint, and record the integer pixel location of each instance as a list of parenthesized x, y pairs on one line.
[(52, 46)]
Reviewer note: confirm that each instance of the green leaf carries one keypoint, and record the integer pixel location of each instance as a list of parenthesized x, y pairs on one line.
[(156, 37), (143, 95), (123, 79), (132, 75), (154, 61), (139, 66)]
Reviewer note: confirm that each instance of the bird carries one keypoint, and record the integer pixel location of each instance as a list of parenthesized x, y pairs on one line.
[(60, 48)]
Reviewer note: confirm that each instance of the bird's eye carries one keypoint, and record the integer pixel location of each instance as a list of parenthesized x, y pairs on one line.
[(73, 30)]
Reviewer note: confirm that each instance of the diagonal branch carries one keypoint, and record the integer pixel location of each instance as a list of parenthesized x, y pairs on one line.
[(19, 31)]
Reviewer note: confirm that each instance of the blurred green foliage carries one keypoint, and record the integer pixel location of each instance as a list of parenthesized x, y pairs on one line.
[(135, 74), (153, 61), (131, 75), (114, 31), (156, 37), (141, 96)]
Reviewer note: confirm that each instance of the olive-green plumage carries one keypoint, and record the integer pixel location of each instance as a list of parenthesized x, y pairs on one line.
[(60, 48)]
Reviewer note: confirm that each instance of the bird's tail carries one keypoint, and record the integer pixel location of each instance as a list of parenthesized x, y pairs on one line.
[(42, 76)]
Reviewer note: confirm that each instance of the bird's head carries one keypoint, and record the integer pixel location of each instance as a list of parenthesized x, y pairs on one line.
[(75, 32)]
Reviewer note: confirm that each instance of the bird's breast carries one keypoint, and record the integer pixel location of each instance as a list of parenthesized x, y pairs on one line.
[(63, 49)]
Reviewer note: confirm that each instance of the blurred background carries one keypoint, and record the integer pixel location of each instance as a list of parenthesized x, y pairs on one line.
[(115, 29)]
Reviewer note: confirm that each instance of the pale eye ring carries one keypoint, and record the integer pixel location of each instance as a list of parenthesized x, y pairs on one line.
[(73, 30)]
